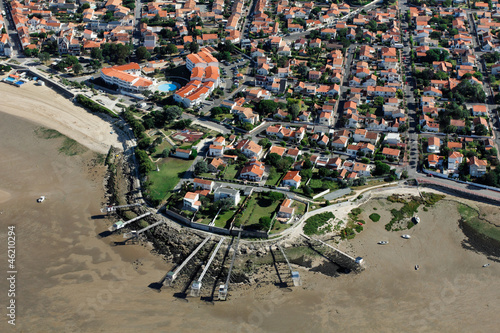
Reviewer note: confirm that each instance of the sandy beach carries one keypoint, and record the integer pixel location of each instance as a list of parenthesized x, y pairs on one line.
[(69, 280), (47, 108)]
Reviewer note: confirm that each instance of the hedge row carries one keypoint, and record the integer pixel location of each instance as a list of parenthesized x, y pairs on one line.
[(93, 106)]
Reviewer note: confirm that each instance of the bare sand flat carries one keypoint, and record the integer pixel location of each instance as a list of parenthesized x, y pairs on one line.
[(47, 108), (4, 196)]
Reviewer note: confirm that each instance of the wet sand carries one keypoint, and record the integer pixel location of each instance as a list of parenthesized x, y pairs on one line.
[(69, 280)]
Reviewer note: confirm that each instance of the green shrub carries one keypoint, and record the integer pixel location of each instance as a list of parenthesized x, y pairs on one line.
[(356, 211), (375, 217), (93, 106), (313, 223)]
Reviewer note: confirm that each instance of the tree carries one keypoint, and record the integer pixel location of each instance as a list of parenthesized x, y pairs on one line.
[(372, 25), (194, 153), (265, 143), (144, 143), (275, 196), (216, 111), (294, 109), (193, 47), (480, 130), (31, 52), (96, 54), (378, 101), (116, 53), (77, 68), (307, 190), (201, 167), (165, 152), (284, 163), (44, 57), (470, 92), (302, 70), (142, 53), (171, 49), (171, 113), (436, 55), (324, 172), (306, 173), (265, 223), (223, 204), (266, 106), (381, 168), (273, 159)]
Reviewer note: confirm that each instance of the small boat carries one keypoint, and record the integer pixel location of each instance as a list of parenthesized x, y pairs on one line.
[(406, 236), (41, 199), (383, 242), (417, 219), (417, 267), (486, 265)]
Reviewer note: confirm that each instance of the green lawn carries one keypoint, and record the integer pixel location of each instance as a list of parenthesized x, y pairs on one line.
[(300, 207), (231, 171), (159, 149), (278, 226), (273, 180), (221, 117), (258, 207), (171, 169), (222, 219)]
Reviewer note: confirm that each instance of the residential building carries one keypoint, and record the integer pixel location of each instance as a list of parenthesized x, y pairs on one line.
[(477, 167), (204, 184), (292, 179), (224, 192), (433, 144), (191, 201)]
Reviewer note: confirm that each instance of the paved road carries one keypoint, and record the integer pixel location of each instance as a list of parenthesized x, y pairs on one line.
[(137, 18), (11, 30)]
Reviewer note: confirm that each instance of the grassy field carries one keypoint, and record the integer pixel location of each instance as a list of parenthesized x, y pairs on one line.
[(221, 220), (231, 171), (278, 226), (300, 208), (258, 207), (161, 147), (221, 117), (171, 169), (273, 181)]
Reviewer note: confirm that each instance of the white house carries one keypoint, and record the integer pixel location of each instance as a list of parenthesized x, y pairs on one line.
[(433, 144), (224, 192), (454, 160), (204, 184), (292, 179), (392, 138), (191, 201)]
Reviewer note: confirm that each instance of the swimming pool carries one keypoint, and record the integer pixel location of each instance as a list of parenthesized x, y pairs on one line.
[(166, 87)]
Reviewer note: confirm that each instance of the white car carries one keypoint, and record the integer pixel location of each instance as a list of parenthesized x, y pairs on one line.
[(405, 236)]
